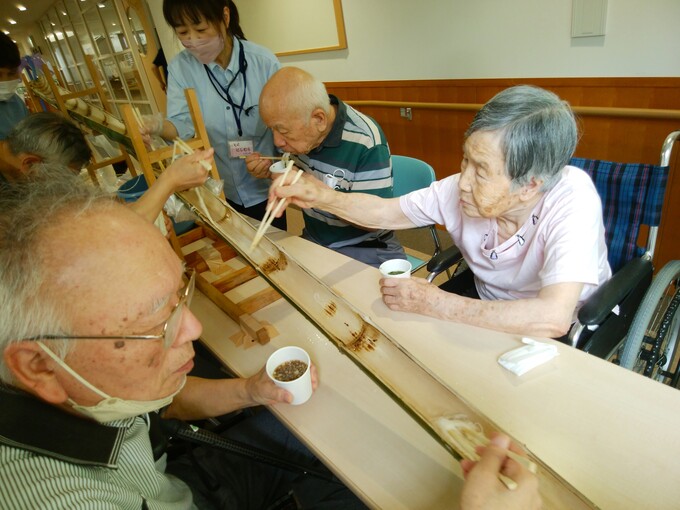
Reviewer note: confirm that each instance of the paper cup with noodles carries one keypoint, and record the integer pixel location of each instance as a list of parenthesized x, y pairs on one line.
[(289, 368), (396, 268)]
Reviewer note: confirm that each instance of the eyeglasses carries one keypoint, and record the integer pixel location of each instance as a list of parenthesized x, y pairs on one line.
[(170, 328)]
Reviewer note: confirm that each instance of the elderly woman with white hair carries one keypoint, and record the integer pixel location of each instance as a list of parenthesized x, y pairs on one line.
[(528, 225)]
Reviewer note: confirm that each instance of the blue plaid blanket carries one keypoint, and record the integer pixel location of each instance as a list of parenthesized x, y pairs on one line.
[(632, 195)]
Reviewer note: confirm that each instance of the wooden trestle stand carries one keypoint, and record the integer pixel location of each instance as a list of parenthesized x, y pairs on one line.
[(219, 269)]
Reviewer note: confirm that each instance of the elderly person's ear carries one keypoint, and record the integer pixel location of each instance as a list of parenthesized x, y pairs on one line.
[(32, 371), (26, 161), (319, 120), (532, 189)]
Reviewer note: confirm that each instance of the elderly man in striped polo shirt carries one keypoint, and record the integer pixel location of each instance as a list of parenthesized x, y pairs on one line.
[(339, 146)]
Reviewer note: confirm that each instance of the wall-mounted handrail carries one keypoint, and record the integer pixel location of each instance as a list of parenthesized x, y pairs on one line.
[(589, 111)]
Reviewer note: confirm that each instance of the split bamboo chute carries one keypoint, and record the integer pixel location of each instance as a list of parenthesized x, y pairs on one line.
[(426, 398)]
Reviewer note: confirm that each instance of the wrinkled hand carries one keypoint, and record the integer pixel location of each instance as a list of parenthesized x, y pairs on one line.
[(484, 491), (258, 167), (308, 192), (263, 391), (187, 172), (408, 294)]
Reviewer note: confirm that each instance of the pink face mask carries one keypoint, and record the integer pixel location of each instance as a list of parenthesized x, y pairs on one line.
[(205, 50)]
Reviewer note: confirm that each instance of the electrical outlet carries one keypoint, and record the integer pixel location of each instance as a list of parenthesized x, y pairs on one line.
[(406, 113)]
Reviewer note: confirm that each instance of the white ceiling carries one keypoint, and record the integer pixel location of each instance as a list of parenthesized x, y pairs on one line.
[(37, 9), (8, 9)]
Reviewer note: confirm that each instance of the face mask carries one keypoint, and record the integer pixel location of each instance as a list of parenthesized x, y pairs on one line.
[(110, 408), (8, 88), (205, 50)]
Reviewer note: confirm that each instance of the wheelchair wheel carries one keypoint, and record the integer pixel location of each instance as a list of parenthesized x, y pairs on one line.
[(652, 344)]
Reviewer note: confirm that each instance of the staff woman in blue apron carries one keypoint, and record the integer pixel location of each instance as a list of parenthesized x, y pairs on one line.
[(228, 74)]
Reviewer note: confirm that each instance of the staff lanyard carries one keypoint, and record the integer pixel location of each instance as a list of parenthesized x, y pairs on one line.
[(242, 66)]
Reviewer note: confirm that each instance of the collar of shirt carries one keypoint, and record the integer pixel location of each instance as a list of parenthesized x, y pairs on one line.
[(31, 424), (232, 67), (334, 138)]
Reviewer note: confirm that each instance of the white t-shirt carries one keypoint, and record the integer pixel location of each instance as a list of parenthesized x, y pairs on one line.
[(562, 240)]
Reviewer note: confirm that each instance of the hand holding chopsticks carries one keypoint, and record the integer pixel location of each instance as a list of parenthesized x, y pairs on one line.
[(467, 436), (186, 148), (273, 210)]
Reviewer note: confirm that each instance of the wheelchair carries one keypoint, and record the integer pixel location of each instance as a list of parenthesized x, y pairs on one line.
[(632, 195), (652, 347)]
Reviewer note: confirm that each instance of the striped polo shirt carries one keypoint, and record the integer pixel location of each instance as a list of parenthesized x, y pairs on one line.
[(53, 459), (356, 152)]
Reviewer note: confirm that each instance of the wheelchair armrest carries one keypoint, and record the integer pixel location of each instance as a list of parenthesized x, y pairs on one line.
[(443, 260), (611, 293)]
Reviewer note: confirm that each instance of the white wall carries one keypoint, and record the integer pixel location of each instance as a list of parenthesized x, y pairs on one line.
[(440, 39), (449, 39)]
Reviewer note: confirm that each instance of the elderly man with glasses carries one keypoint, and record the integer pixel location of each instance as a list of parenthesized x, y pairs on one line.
[(97, 335)]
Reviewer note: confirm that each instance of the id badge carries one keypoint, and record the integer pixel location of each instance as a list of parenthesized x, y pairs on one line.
[(240, 148)]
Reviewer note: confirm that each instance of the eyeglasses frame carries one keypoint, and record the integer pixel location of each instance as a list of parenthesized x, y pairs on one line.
[(185, 298)]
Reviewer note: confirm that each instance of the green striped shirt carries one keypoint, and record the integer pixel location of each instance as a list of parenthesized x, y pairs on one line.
[(356, 151)]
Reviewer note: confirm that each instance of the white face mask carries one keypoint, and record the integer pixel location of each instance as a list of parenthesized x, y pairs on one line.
[(8, 88), (111, 408)]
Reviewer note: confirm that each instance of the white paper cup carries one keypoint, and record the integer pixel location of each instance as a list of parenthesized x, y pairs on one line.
[(278, 168), (300, 388), (396, 268)]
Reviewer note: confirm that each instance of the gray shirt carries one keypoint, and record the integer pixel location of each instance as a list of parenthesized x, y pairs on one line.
[(40, 469)]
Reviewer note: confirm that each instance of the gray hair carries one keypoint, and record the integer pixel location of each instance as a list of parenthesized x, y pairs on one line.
[(307, 95), (27, 210), (538, 133), (51, 137)]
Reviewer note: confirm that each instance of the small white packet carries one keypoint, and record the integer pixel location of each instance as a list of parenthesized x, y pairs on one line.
[(519, 361)]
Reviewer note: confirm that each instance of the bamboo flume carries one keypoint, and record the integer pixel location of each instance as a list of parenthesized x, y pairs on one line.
[(452, 421)]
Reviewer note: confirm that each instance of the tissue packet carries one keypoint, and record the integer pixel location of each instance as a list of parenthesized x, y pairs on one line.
[(519, 361)]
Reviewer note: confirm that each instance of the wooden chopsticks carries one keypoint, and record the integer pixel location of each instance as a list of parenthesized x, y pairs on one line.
[(138, 117), (467, 436), (188, 150), (272, 210)]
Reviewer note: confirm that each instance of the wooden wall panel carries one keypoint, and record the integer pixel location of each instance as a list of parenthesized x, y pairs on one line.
[(436, 136)]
